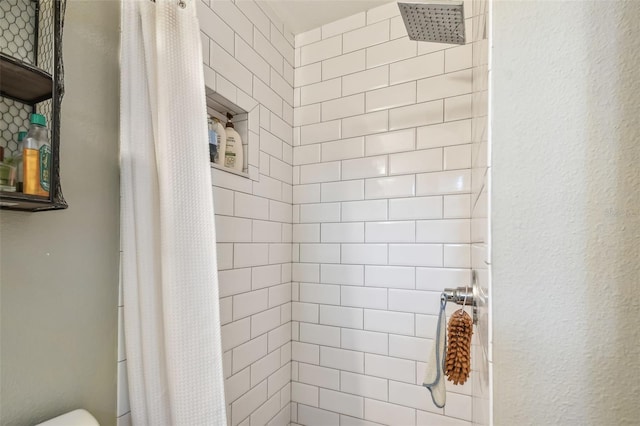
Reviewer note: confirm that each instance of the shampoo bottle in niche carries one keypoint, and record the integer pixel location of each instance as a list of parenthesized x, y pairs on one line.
[(36, 157), (233, 157), (213, 140), (222, 141)]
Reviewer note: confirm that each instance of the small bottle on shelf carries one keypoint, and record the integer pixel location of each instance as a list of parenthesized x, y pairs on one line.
[(7, 174), (36, 155), (17, 159), (234, 155), (44, 151), (222, 141), (213, 140)]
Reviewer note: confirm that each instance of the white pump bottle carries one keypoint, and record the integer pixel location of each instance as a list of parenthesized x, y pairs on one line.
[(234, 155)]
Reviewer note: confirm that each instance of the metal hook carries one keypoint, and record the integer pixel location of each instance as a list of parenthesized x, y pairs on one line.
[(466, 293), (460, 296)]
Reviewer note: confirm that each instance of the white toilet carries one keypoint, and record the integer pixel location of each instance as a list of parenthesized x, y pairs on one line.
[(72, 418)]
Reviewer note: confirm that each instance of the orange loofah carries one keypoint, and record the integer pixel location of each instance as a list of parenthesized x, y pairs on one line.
[(458, 358)]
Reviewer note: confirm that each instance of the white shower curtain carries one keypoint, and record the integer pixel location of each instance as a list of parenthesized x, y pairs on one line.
[(169, 270)]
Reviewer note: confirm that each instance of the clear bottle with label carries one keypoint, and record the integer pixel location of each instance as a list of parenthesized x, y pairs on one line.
[(213, 140), (234, 155), (36, 157)]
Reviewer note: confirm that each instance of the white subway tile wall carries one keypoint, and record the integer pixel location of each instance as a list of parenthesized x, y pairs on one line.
[(382, 219), (332, 257)]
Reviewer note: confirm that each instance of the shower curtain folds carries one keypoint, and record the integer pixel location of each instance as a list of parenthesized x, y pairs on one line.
[(169, 269)]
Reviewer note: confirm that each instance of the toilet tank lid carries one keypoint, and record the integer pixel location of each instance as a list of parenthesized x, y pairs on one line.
[(73, 418)]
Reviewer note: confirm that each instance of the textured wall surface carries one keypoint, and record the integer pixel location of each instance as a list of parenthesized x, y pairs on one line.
[(59, 270), (382, 202), (566, 212)]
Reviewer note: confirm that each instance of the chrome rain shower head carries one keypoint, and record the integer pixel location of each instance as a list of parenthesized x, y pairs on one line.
[(434, 21)]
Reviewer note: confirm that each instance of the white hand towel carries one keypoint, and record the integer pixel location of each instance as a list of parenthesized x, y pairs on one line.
[(434, 379)]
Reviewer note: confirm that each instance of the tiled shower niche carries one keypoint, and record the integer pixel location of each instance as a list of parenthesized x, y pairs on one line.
[(218, 106)]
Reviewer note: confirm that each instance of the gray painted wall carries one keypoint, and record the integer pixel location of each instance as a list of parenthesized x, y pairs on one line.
[(59, 271), (566, 212)]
